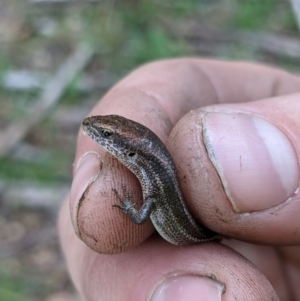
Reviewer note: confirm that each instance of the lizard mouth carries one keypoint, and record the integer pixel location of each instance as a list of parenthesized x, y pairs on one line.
[(86, 125), (90, 130)]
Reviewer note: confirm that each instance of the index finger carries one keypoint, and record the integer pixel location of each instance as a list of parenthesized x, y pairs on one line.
[(156, 95)]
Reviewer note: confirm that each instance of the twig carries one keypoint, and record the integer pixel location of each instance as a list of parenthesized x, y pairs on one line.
[(296, 9), (272, 43), (49, 97), (64, 1), (203, 37), (32, 195)]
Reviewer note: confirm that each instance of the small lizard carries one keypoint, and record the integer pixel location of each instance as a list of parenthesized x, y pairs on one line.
[(142, 152)]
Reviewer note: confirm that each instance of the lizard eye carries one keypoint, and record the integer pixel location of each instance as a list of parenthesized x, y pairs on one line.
[(106, 133)]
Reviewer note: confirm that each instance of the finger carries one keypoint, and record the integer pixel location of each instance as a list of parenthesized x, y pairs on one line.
[(157, 269), (156, 95), (241, 163)]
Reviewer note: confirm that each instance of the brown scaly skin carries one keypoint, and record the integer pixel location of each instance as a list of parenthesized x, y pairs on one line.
[(142, 152)]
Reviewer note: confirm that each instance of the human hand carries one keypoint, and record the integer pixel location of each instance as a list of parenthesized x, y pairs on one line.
[(239, 172)]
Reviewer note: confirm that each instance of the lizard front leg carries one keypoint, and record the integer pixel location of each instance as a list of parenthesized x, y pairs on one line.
[(128, 207)]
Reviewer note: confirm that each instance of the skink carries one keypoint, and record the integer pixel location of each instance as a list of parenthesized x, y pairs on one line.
[(142, 152)]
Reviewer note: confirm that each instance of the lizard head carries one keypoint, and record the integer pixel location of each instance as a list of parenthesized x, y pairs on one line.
[(121, 137)]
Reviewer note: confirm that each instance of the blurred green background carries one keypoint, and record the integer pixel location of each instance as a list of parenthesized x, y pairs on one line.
[(57, 58)]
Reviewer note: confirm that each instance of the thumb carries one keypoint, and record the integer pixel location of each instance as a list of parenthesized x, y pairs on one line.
[(239, 168)]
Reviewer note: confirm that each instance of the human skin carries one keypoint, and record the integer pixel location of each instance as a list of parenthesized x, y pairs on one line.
[(237, 155)]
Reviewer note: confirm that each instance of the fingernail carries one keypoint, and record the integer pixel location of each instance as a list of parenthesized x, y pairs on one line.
[(256, 162), (86, 172), (188, 288)]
